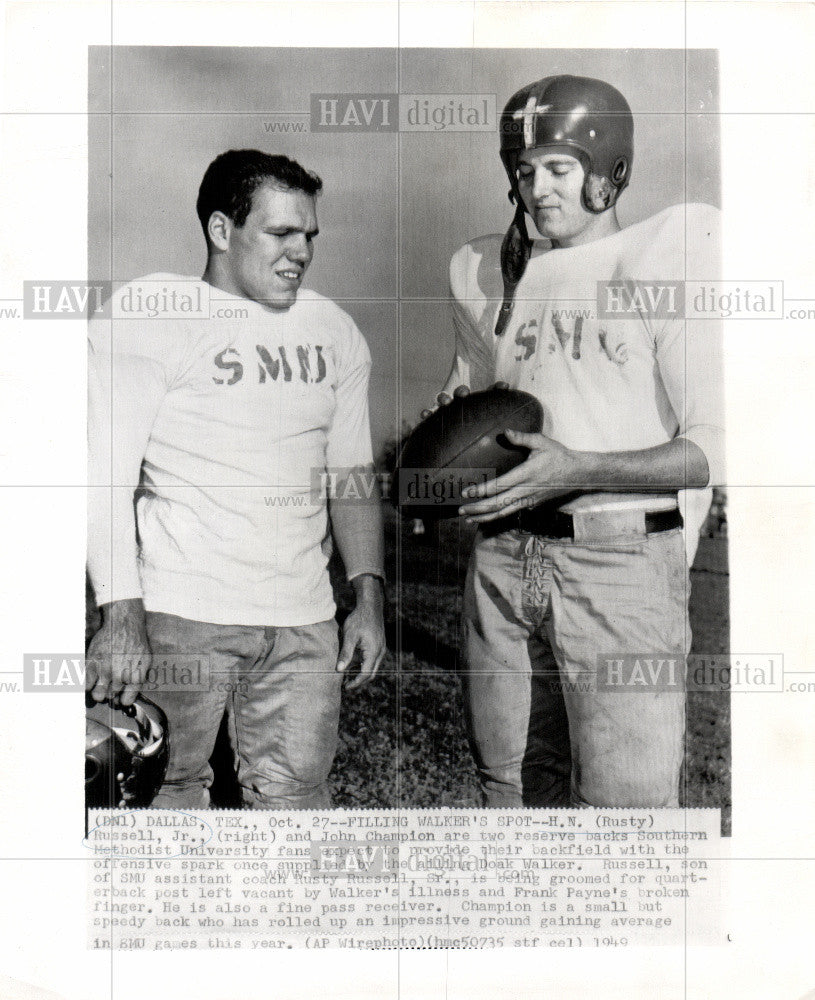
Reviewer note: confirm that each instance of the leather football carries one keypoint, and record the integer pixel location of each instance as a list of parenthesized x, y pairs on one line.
[(459, 445)]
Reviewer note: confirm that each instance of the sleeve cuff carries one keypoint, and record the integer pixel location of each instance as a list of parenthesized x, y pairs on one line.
[(362, 570)]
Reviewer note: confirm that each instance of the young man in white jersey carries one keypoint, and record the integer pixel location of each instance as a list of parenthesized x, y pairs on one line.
[(214, 585), (579, 573)]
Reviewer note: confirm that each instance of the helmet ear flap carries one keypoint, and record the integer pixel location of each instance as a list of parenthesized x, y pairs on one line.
[(619, 172), (598, 193)]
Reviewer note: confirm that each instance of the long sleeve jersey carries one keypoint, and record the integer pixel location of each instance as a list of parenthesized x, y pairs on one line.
[(221, 427), (627, 380)]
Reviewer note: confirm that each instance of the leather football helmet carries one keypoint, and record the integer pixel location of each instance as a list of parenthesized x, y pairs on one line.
[(589, 119), (126, 753)]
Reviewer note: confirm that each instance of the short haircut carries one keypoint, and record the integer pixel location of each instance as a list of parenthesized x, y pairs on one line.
[(233, 177)]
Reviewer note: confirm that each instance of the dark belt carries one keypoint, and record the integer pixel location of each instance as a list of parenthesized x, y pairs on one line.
[(559, 524)]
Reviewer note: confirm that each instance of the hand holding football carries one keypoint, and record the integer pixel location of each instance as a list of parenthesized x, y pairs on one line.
[(460, 444)]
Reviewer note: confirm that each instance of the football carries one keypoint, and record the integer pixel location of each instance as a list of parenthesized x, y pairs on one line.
[(461, 444)]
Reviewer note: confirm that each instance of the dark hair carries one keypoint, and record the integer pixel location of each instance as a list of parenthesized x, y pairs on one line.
[(233, 177)]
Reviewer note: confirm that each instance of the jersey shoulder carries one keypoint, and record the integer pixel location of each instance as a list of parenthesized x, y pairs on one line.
[(681, 241), (130, 295), (679, 219), (318, 309), (475, 269), (312, 304), (150, 315)]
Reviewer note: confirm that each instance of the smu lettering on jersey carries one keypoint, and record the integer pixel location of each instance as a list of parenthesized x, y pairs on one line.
[(618, 384), (223, 423)]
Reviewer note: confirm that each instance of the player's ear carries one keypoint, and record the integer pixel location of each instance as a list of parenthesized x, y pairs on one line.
[(219, 229)]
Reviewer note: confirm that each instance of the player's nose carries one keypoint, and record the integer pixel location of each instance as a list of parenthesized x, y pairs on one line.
[(542, 184), (299, 250)]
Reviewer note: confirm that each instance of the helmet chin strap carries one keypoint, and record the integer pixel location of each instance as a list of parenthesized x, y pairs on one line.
[(515, 251)]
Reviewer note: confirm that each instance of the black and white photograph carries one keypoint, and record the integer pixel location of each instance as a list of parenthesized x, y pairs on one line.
[(465, 689), (406, 486)]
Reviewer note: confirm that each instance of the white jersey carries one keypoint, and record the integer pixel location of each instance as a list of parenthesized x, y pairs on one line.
[(225, 423), (630, 382)]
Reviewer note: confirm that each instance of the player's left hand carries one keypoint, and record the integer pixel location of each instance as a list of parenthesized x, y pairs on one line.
[(547, 473), (364, 630)]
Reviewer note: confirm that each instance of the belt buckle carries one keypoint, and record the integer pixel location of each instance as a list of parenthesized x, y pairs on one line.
[(522, 520), (552, 524)]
